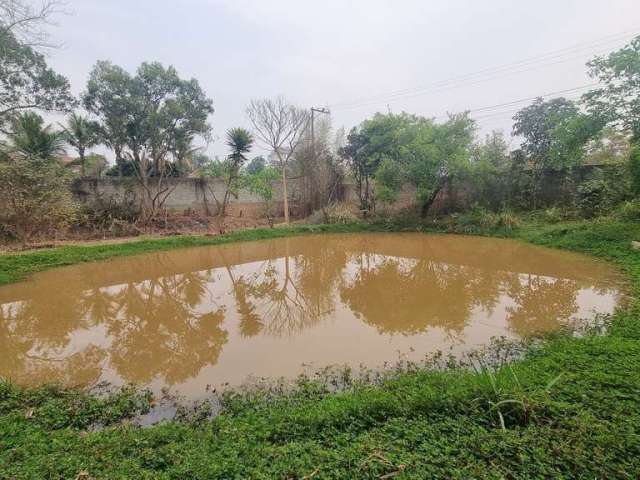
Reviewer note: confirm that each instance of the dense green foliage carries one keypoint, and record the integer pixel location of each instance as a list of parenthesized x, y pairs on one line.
[(26, 81), (570, 407), (150, 118), (617, 100), (408, 148), (31, 138), (260, 182)]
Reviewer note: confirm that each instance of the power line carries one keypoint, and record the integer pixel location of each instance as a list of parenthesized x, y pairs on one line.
[(489, 108), (543, 57), (506, 69), (466, 84)]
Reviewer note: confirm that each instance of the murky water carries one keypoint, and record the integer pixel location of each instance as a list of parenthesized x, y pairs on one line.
[(186, 319)]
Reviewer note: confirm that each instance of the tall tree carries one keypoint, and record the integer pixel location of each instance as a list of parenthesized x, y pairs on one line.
[(354, 154), (27, 20), (280, 125), (554, 134), (439, 154), (490, 164), (377, 139), (26, 81), (144, 118), (81, 134), (617, 100)]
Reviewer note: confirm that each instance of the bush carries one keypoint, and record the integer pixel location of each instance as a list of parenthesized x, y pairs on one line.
[(35, 198), (552, 215), (507, 220), (479, 219), (113, 215), (338, 213), (602, 192), (629, 210)]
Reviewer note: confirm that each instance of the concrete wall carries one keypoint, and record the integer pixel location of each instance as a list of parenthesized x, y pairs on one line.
[(197, 194), (187, 195)]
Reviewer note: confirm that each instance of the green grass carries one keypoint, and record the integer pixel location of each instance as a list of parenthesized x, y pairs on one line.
[(584, 423)]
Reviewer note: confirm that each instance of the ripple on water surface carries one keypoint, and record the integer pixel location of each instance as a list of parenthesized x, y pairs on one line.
[(189, 318)]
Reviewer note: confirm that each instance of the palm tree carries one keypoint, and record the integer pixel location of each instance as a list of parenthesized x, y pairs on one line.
[(32, 138), (81, 134), (240, 141)]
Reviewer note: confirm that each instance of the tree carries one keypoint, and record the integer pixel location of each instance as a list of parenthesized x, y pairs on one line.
[(146, 119), (256, 165), (316, 163), (26, 81), (439, 154), (617, 101), (408, 148), (537, 122), (354, 155), (240, 142), (26, 21), (81, 134), (229, 170), (378, 138), (389, 178), (280, 126), (490, 164), (35, 196), (261, 183), (555, 134), (31, 138)]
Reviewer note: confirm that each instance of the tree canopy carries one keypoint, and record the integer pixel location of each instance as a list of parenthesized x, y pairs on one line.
[(26, 81), (398, 148), (147, 116), (617, 100)]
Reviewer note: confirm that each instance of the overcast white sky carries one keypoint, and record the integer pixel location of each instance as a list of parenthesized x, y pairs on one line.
[(336, 52)]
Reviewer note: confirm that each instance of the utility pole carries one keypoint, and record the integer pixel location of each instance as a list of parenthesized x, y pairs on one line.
[(314, 160), (315, 110)]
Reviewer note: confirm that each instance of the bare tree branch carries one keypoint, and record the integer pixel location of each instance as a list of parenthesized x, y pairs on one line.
[(280, 126)]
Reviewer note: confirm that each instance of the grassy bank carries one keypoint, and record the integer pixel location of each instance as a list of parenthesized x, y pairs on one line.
[(569, 409), (15, 267)]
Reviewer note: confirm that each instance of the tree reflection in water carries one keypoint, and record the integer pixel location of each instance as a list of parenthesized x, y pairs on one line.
[(163, 318)]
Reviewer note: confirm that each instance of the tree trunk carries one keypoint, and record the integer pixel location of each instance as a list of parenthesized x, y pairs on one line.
[(83, 170), (427, 205), (225, 200), (285, 194), (118, 152)]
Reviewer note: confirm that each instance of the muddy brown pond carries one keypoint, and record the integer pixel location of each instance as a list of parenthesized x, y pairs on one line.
[(189, 318)]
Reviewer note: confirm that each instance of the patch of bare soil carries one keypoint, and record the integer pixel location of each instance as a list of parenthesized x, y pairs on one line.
[(171, 225)]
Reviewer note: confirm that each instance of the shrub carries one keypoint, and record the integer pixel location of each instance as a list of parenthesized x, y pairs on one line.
[(118, 216), (600, 193), (35, 198), (338, 213), (629, 210), (507, 220), (260, 183), (479, 219), (551, 215)]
